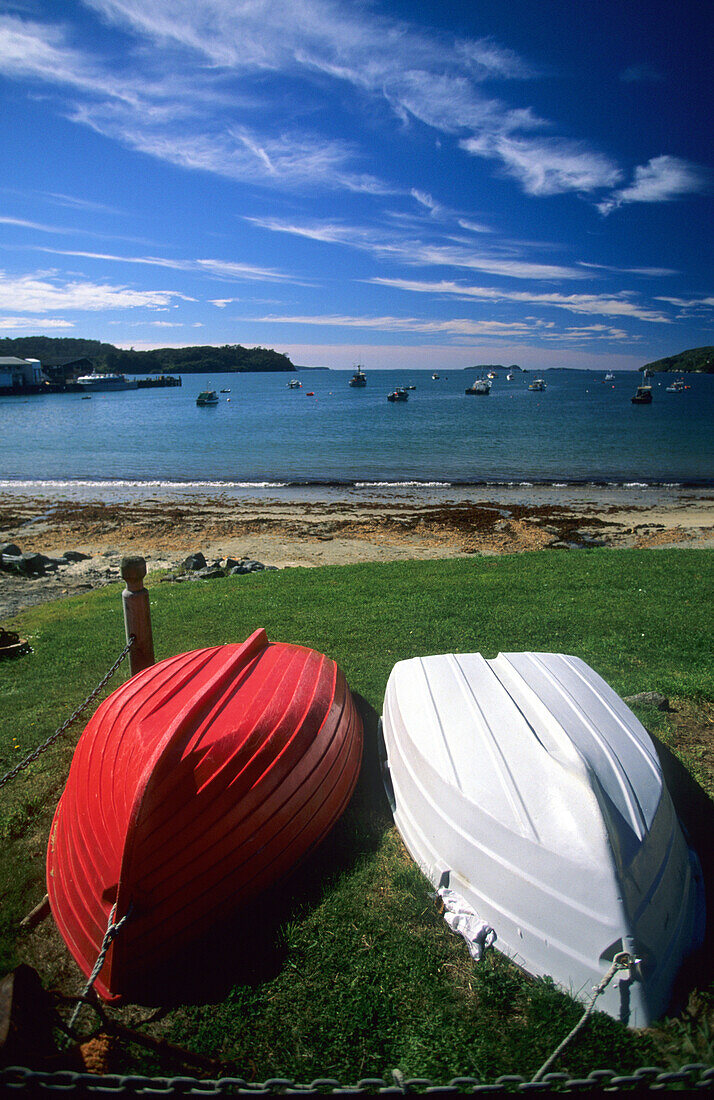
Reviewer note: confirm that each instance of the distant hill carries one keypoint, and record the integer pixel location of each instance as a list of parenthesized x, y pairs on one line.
[(696, 359), (106, 357)]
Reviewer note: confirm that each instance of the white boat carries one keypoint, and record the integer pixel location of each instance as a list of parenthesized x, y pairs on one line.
[(527, 787), (294, 384), (435, 377), (609, 377), (207, 397), (537, 384), (676, 387), (481, 386), (358, 379), (99, 383), (509, 376)]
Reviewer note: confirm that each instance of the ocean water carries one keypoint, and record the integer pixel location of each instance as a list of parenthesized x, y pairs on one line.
[(580, 430)]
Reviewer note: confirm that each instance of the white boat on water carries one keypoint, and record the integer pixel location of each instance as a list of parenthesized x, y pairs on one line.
[(358, 379), (294, 384), (537, 384), (105, 383), (676, 387), (528, 788)]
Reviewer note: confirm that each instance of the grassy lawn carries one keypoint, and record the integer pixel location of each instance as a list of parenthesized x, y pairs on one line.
[(351, 972)]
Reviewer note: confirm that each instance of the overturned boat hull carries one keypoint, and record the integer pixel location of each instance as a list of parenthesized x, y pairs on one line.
[(526, 786), (197, 784)]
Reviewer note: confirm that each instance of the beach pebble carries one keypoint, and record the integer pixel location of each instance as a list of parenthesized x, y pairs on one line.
[(11, 550), (209, 574), (75, 555), (247, 565), (26, 565), (194, 562)]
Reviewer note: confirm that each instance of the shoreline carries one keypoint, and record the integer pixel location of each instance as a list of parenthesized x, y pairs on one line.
[(313, 527)]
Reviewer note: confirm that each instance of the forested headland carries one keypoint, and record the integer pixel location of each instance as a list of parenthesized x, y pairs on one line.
[(107, 357), (696, 359)]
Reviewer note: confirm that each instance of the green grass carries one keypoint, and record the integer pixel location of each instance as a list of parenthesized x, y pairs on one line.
[(355, 974)]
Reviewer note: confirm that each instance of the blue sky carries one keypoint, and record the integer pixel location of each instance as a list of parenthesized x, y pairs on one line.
[(399, 184)]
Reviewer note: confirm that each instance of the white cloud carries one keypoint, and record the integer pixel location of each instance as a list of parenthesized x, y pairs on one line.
[(690, 303), (458, 326), (420, 75), (191, 77), (637, 74), (22, 223), (13, 323), (220, 269), (621, 305), (418, 252), (650, 272), (43, 293), (547, 166), (662, 179)]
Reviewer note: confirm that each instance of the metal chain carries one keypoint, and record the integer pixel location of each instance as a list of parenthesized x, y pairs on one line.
[(73, 717), (622, 961), (696, 1075)]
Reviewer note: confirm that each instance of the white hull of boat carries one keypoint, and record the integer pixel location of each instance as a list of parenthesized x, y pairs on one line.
[(526, 785)]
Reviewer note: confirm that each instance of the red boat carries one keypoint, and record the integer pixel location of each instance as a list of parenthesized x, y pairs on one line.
[(197, 784)]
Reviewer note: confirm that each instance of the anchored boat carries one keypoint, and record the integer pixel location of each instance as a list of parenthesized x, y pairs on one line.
[(527, 787), (196, 785)]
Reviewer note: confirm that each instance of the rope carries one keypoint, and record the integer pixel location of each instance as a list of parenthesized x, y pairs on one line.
[(622, 961), (73, 717), (109, 936)]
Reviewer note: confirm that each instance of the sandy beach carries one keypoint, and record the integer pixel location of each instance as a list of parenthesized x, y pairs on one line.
[(308, 528)]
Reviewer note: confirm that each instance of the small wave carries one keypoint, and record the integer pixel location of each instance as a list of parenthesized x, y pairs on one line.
[(95, 483), (402, 484)]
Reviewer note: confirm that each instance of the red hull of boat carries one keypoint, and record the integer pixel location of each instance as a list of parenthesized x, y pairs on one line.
[(196, 785)]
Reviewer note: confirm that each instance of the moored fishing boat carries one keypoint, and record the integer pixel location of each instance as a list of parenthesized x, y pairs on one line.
[(207, 397), (196, 785), (527, 787), (358, 379), (642, 395), (480, 386), (398, 394)]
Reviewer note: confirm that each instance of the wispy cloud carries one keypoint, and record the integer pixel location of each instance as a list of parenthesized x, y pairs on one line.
[(621, 305), (456, 326), (662, 179), (23, 223), (546, 166), (45, 293), (201, 123), (416, 252), (648, 272), (220, 269), (641, 73), (21, 323)]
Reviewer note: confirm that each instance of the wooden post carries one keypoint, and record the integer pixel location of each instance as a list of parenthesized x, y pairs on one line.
[(137, 616)]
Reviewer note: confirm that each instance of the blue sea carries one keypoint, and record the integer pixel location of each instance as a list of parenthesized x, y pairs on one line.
[(264, 436)]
